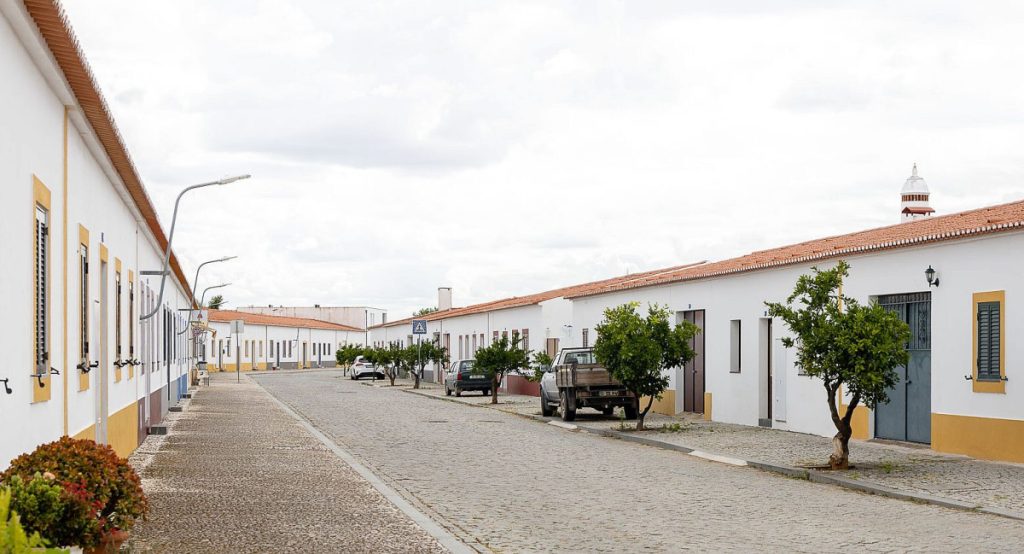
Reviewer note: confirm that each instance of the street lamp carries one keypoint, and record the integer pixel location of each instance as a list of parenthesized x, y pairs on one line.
[(195, 283), (170, 238), (203, 298)]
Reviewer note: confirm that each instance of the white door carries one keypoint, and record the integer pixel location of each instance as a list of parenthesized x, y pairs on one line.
[(780, 367)]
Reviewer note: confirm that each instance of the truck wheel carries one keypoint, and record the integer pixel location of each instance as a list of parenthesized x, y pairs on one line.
[(458, 391), (447, 391), (486, 392), (567, 405), (608, 410), (545, 408)]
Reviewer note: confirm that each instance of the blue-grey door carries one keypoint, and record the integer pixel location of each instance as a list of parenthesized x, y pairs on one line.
[(907, 414)]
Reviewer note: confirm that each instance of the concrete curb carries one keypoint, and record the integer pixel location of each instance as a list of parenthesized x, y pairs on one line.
[(440, 534), (812, 475)]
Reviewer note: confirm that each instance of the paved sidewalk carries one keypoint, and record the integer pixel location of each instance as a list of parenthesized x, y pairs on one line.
[(904, 470), (239, 474)]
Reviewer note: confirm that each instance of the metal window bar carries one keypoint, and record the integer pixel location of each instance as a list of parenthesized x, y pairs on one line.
[(42, 287)]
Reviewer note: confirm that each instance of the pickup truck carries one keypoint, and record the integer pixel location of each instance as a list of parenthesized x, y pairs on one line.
[(576, 381)]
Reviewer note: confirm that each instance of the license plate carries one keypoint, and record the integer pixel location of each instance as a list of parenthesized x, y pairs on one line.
[(608, 393), (477, 376)]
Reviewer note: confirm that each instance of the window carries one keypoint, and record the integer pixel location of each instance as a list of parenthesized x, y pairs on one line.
[(117, 319), (474, 344), (246, 348), (482, 339), (261, 349), (526, 340), (586, 338), (131, 324), (735, 349), (41, 251), (989, 342), (495, 336), (552, 347), (83, 315)]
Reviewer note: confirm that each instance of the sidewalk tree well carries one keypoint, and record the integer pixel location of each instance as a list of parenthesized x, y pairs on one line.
[(500, 358), (639, 350), (845, 344)]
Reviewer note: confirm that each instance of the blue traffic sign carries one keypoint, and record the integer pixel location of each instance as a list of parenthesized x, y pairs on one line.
[(419, 327)]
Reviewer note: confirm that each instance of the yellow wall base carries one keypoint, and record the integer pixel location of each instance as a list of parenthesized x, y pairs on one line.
[(123, 430), (87, 433), (980, 437), (707, 406), (859, 422), (665, 406), (246, 366)]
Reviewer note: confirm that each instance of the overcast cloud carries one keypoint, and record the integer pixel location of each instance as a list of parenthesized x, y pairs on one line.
[(504, 148)]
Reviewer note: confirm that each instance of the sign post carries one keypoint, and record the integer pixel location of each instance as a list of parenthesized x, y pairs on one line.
[(419, 328)]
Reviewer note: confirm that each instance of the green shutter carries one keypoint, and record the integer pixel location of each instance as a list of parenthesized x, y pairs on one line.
[(988, 341)]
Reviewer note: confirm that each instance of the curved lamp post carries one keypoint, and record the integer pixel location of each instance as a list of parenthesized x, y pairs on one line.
[(195, 282), (170, 238)]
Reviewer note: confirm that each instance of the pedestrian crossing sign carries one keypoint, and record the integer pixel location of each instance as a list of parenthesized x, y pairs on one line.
[(419, 327)]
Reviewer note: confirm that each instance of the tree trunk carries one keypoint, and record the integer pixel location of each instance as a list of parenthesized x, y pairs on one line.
[(494, 388), (416, 380), (840, 458), (392, 375), (640, 417)]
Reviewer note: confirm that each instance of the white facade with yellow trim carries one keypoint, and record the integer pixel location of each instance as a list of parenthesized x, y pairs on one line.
[(74, 242)]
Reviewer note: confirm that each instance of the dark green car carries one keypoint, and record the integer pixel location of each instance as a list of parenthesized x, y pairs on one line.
[(460, 378)]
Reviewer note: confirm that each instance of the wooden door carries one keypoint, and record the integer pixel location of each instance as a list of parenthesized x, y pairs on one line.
[(693, 371)]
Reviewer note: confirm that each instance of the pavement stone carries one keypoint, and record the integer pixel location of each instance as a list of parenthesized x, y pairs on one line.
[(909, 469), (237, 473), (504, 483)]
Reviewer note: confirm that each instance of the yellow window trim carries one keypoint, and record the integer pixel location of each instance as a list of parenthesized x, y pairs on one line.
[(41, 198), (998, 387)]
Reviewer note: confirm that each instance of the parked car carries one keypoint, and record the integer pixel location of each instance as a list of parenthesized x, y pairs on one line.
[(577, 381), (362, 368), (460, 378)]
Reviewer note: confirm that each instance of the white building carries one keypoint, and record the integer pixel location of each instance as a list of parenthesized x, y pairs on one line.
[(362, 317), (274, 342), (78, 229), (542, 320), (959, 393)]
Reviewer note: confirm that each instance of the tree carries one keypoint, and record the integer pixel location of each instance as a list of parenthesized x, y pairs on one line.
[(390, 359), (500, 358), (216, 302), (422, 353), (638, 350), (540, 363), (347, 354), (845, 345), (424, 311)]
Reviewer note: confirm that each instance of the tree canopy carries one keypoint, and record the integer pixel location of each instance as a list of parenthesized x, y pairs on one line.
[(500, 358)]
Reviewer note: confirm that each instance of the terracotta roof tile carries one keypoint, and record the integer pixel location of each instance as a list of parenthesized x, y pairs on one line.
[(518, 301), (982, 221), (279, 321)]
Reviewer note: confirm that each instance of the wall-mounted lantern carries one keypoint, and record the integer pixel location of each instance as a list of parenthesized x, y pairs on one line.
[(929, 274), (7, 386)]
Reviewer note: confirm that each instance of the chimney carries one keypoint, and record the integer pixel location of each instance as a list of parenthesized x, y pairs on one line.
[(444, 298)]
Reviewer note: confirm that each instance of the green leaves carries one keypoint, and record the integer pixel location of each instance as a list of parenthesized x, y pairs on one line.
[(637, 350), (501, 357), (841, 341)]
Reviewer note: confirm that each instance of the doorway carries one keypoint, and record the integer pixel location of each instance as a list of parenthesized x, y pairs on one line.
[(907, 414), (693, 370)]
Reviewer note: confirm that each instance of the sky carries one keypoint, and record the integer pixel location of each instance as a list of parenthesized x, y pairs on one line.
[(506, 148)]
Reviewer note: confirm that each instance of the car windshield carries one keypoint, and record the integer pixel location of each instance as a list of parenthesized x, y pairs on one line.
[(466, 365), (582, 357)]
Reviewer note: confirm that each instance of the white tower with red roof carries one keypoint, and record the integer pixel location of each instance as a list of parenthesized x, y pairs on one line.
[(914, 198)]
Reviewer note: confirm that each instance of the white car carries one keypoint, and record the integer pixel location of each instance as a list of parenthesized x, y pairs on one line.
[(362, 368)]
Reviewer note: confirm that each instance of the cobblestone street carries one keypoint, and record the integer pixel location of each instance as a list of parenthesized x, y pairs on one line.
[(508, 484)]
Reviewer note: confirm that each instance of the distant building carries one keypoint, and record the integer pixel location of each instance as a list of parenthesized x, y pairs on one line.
[(361, 317)]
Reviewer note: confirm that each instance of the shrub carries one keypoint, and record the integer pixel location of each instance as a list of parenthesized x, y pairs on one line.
[(60, 514), (13, 537), (90, 474)]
